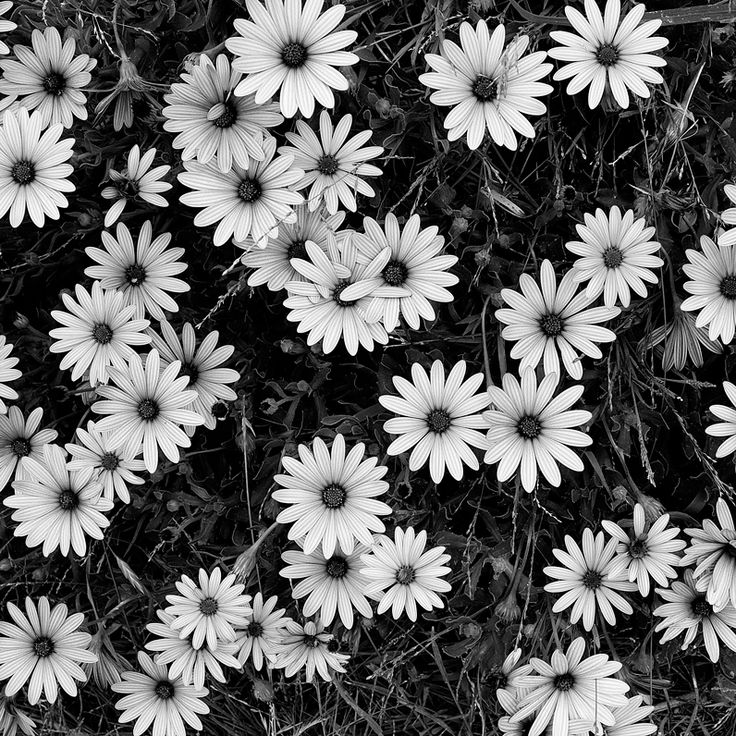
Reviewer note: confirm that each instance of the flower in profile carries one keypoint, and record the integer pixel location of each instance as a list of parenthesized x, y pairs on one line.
[(511, 673), (13, 720), (293, 48), (729, 217), (44, 648), (211, 121), (33, 174), (609, 52), (5, 27), (651, 553), (308, 647), (49, 78), (616, 255), (142, 272), (403, 573), (531, 429), (489, 87), (98, 331), (727, 426), (439, 417), (552, 322), (8, 372), (20, 438), (629, 717), (263, 631)]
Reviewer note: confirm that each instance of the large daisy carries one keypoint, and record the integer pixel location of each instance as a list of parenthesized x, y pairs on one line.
[(489, 87), (20, 438), (8, 372), (308, 646)]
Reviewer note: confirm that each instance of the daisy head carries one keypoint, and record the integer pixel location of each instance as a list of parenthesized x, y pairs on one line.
[(21, 438), (8, 372), (310, 647), (264, 630)]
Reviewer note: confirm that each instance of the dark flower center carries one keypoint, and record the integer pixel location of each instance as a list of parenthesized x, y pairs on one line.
[(333, 645), (43, 646), (228, 118), (405, 575), (208, 606), (327, 165), (191, 372), (20, 446), (128, 188), (612, 257), (701, 607), (439, 421), (23, 172), (485, 88), (135, 275), (148, 409), (569, 193), (592, 579), (109, 461), (607, 54), (255, 629), (564, 682), (552, 325), (298, 249), (102, 334), (311, 640), (638, 549), (338, 290), (68, 500), (728, 286), (54, 84), (249, 190), (333, 496), (164, 690), (337, 567), (293, 55), (395, 273), (529, 427)]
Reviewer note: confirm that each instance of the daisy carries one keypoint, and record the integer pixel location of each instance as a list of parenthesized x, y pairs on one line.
[(687, 610), (439, 418), (416, 264), (33, 174), (553, 322), (511, 673), (488, 87), (587, 580), (211, 121), (208, 611), (143, 272), (49, 78), (57, 507), (404, 573), (712, 284), (154, 697), (147, 406), (308, 646), (290, 46), (44, 647), (138, 182), (20, 438), (616, 256), (726, 427), (729, 217), (8, 372), (115, 469), (201, 364), (98, 332), (649, 554), (6, 25), (264, 630), (332, 498), (531, 429), (333, 166), (609, 52), (629, 717)]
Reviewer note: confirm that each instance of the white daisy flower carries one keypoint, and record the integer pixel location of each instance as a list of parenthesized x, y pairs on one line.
[(649, 554), (8, 372), (511, 673), (727, 426), (712, 275), (210, 611), (439, 418), (244, 201), (489, 87), (333, 166), (609, 52), (20, 438), (258, 640), (531, 429), (211, 121), (6, 25), (728, 216), (143, 272), (629, 719), (115, 469), (587, 580), (416, 264), (308, 647), (98, 332), (404, 573), (332, 498), (33, 174), (552, 322), (49, 78), (616, 256), (687, 610), (154, 697), (44, 648), (291, 47), (57, 507)]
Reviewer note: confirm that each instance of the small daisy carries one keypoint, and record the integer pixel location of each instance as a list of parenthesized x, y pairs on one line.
[(264, 630), (208, 611), (553, 322), (49, 78), (688, 610), (587, 580), (98, 332), (333, 166), (726, 427), (609, 52), (531, 429), (416, 264), (291, 46), (308, 647), (332, 498), (649, 554), (21, 438), (244, 201), (404, 573), (8, 372), (629, 717), (511, 672), (44, 647), (489, 87), (115, 469), (211, 121), (729, 217), (712, 284), (138, 182), (616, 256), (33, 174), (439, 418), (154, 697), (6, 25), (143, 272)]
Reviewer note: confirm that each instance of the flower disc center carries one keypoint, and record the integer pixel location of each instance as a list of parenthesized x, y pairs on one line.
[(405, 575), (592, 579), (728, 286), (208, 606), (529, 427), (20, 447), (164, 690), (249, 190), (607, 54), (337, 567), (395, 273), (294, 55), (701, 607), (102, 333), (109, 461), (68, 500), (135, 274), (54, 84), (298, 249), (43, 646), (148, 409), (564, 682), (552, 325), (23, 172), (438, 420), (485, 88), (327, 165), (612, 257)]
